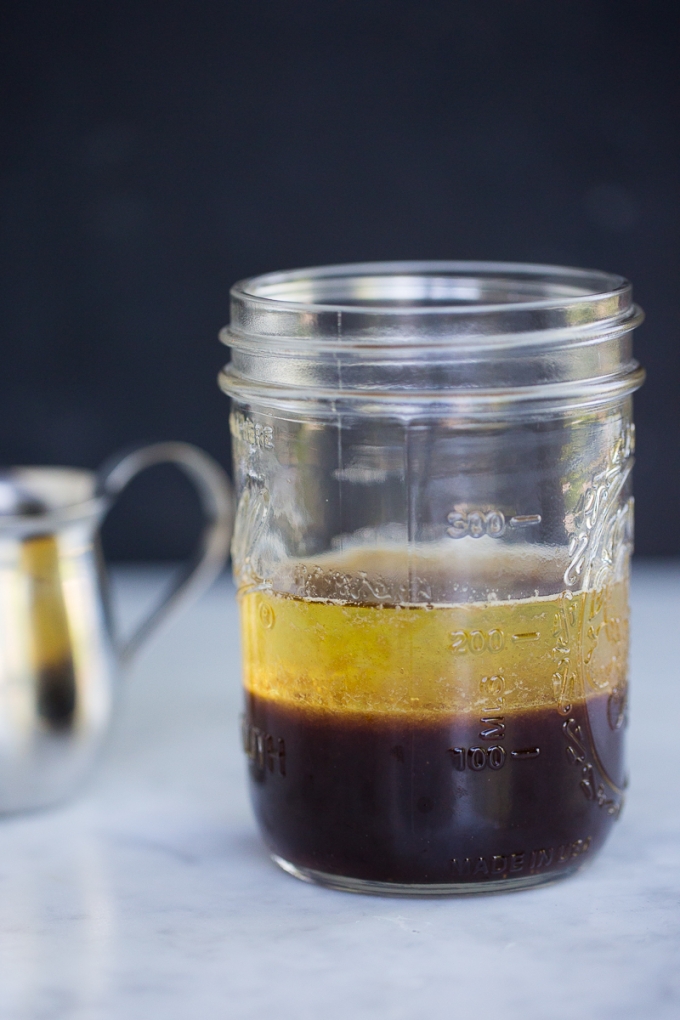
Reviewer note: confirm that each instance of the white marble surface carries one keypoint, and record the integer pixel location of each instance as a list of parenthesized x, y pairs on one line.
[(151, 896)]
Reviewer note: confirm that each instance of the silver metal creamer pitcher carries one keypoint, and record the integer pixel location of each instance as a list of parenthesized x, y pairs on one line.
[(59, 656)]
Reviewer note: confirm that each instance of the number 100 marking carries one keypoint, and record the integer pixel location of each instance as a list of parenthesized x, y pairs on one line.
[(478, 758)]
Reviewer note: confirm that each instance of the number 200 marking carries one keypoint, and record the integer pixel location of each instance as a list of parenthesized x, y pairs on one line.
[(476, 641)]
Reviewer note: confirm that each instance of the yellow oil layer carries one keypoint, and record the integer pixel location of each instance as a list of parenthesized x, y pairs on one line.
[(50, 636), (474, 657)]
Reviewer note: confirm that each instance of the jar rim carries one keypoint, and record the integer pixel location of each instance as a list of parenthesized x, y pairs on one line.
[(424, 288), (436, 303), (435, 329)]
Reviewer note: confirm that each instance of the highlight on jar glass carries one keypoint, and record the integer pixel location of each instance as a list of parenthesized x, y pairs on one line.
[(432, 542)]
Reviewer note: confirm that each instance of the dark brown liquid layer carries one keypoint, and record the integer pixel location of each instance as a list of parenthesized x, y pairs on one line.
[(456, 800)]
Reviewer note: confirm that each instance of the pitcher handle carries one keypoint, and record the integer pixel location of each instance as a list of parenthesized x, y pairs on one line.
[(215, 493)]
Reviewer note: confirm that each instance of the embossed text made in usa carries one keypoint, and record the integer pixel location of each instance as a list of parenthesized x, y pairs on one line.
[(248, 431), (506, 865)]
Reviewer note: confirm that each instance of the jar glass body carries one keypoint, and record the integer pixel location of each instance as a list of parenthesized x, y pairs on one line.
[(433, 597)]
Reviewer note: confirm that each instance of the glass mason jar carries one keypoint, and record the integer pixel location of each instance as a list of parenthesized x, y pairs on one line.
[(431, 549)]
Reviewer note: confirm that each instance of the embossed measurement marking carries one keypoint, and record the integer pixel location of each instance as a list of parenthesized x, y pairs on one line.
[(266, 615), (476, 759), (524, 520), (476, 641), (530, 635), (494, 727), (491, 688), (526, 752), (494, 523)]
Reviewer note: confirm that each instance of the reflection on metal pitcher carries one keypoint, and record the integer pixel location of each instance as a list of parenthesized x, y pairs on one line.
[(59, 657)]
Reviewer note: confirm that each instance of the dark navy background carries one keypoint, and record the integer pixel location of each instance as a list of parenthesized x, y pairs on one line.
[(153, 153)]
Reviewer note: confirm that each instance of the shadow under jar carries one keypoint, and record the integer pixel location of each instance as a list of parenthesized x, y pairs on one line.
[(431, 549)]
